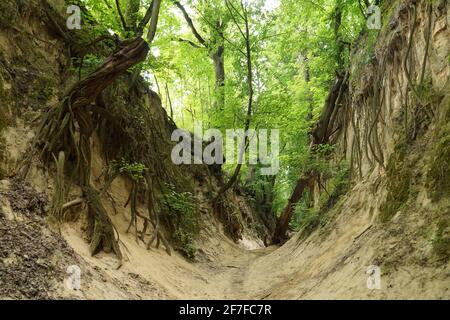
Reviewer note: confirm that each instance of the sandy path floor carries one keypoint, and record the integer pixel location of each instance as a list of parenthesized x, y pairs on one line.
[(334, 268), (220, 275)]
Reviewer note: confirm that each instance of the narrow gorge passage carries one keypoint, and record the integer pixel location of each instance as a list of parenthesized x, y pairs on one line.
[(224, 149)]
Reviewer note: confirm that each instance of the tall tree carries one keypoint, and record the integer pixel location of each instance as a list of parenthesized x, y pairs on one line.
[(214, 45), (242, 14), (322, 130)]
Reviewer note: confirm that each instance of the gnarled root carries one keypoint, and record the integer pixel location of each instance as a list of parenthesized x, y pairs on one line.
[(153, 217), (101, 230), (66, 130)]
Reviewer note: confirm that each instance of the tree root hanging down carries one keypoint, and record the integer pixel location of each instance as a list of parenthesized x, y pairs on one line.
[(100, 230), (412, 85), (152, 218)]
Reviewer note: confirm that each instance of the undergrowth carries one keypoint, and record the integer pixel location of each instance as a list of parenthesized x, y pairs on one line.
[(134, 170), (182, 210), (335, 183)]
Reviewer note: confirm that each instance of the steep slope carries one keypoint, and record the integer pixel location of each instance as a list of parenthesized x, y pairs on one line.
[(396, 215)]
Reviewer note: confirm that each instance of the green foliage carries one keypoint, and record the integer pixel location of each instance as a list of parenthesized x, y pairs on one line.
[(336, 181), (90, 63), (425, 92), (186, 243), (337, 185), (308, 219), (182, 211), (319, 160), (103, 13), (180, 201), (133, 170), (362, 59)]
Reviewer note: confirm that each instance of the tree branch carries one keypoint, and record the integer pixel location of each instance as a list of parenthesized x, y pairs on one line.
[(221, 34), (145, 20), (122, 19), (234, 19), (248, 55), (190, 23), (154, 21), (191, 43)]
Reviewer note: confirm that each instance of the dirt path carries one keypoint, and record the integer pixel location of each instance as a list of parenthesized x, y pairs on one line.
[(220, 275), (330, 264), (226, 279), (329, 270)]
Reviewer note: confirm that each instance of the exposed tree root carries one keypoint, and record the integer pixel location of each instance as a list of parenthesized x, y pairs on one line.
[(372, 139), (422, 104), (231, 223), (101, 230), (72, 203), (57, 208), (67, 129)]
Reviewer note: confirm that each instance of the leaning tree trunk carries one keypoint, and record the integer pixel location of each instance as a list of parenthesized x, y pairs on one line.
[(58, 134), (319, 135), (285, 218)]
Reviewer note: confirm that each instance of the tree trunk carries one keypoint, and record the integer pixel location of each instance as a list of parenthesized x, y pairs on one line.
[(285, 218), (319, 135), (219, 69), (84, 92), (321, 132), (248, 54), (132, 14)]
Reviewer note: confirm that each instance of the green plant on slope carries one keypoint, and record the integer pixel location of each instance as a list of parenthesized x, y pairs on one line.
[(134, 170), (336, 183), (182, 209)]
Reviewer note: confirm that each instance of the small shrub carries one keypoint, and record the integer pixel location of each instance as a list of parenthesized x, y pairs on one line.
[(187, 245), (336, 178), (134, 170), (182, 209), (309, 220)]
